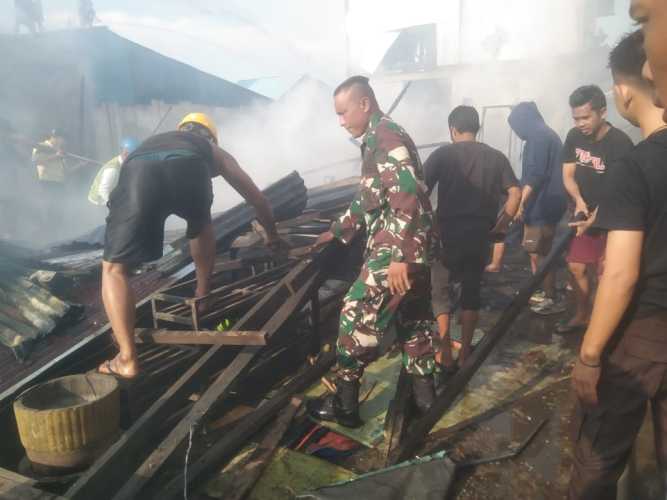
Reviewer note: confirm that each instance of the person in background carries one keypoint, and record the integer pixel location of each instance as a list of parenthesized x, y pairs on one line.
[(622, 362), (497, 256), (28, 13), (169, 173), (543, 200), (86, 13), (107, 177), (590, 147), (471, 179), (39, 15), (48, 159)]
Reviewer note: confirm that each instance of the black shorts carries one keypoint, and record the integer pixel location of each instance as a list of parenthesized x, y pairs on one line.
[(464, 254), (148, 192)]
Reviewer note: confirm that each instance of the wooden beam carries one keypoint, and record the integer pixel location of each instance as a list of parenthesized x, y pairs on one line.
[(206, 337), (14, 486), (268, 315), (315, 343), (226, 447), (172, 299), (420, 429), (396, 420), (252, 469), (174, 318)]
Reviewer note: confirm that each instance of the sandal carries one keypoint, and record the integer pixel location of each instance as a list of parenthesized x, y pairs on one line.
[(108, 366)]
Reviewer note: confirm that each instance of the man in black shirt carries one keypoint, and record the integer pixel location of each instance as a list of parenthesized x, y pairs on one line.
[(652, 15), (622, 363), (168, 174), (471, 179), (590, 147)]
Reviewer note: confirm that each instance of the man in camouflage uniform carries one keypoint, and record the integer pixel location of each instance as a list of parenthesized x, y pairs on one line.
[(393, 286)]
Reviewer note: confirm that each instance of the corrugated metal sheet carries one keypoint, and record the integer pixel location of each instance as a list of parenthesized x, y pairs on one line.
[(333, 195), (28, 311)]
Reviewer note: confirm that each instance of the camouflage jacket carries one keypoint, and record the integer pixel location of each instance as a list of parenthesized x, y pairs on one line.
[(391, 203)]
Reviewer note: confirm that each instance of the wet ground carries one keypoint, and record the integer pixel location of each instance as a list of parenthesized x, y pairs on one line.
[(523, 383)]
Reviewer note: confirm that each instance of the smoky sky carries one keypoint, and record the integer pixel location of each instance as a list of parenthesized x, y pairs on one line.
[(489, 54)]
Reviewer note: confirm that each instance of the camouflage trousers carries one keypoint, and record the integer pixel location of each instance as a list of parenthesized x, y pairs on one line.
[(369, 310)]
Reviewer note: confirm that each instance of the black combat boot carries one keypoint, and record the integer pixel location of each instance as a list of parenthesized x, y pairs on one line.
[(423, 392), (342, 407)]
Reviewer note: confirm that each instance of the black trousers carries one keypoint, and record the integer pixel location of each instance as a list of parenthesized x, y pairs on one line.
[(634, 374)]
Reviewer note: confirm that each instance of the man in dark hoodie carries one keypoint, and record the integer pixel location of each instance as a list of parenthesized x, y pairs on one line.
[(543, 200)]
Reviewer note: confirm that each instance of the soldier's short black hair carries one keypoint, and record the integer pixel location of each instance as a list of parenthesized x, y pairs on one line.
[(588, 94), (358, 81), (464, 119), (627, 59)]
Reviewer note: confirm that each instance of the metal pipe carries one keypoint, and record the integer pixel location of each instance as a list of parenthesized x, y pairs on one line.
[(164, 117), (400, 95)]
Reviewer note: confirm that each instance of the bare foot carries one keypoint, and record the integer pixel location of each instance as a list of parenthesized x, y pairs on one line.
[(118, 368), (492, 268), (578, 320)]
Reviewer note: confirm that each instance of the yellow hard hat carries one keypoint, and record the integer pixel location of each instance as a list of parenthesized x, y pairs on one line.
[(203, 120)]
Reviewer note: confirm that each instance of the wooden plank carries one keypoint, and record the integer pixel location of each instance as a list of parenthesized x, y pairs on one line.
[(252, 470), (226, 447), (269, 315), (270, 275), (172, 299), (175, 318), (420, 429), (14, 486), (207, 337), (12, 476)]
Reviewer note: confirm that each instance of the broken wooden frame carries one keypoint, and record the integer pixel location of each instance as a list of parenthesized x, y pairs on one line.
[(222, 300), (118, 464), (420, 429), (294, 290), (177, 305)]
